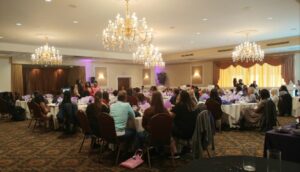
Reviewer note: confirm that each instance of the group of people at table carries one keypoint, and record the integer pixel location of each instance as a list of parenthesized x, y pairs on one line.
[(125, 105)]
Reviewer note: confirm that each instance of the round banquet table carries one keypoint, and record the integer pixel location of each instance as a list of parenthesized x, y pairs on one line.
[(23, 104), (234, 111), (296, 106), (234, 163)]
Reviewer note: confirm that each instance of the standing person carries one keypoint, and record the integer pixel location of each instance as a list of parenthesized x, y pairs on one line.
[(95, 88), (173, 99), (285, 102), (234, 82), (114, 97), (87, 89), (240, 83), (80, 87), (275, 97), (254, 85), (132, 100), (105, 99)]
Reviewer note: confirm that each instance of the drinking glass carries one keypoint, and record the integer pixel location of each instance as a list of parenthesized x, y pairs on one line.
[(274, 160), (249, 163)]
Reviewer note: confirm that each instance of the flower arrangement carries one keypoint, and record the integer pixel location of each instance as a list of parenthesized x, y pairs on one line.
[(162, 78)]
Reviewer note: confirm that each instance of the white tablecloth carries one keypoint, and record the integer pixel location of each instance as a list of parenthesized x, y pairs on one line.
[(23, 104), (296, 107), (234, 111)]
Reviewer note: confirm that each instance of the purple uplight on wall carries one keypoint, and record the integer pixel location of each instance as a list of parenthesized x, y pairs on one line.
[(88, 67), (158, 70)]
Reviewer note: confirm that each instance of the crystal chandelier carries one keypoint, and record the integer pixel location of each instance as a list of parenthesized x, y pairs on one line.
[(248, 52), (46, 55), (149, 56), (129, 31)]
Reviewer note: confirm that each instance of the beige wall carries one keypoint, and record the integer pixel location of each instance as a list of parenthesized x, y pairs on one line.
[(180, 74), (5, 74), (135, 72)]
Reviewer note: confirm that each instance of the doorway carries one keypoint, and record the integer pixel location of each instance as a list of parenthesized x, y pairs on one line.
[(124, 83)]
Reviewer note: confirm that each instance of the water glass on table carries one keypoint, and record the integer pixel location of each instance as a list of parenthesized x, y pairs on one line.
[(249, 162), (274, 160)]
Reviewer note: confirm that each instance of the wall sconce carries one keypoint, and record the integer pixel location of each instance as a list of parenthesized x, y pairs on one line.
[(146, 76), (196, 74), (101, 76)]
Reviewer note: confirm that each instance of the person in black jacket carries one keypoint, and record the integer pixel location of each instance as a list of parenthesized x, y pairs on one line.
[(285, 102)]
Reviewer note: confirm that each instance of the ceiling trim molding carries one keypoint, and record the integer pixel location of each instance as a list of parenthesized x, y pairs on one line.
[(22, 48)]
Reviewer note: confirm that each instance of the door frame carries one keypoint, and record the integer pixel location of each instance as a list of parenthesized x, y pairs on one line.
[(123, 76)]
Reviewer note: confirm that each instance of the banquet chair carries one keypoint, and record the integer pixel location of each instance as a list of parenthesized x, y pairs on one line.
[(85, 127), (215, 109), (203, 135), (4, 108), (30, 107), (160, 133), (38, 115), (108, 133), (269, 118)]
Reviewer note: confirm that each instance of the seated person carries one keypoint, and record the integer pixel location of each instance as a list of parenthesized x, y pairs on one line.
[(285, 102), (142, 102), (250, 97), (39, 99), (67, 114), (95, 109), (250, 117), (184, 114), (114, 97), (275, 97), (131, 99), (105, 98), (121, 111), (173, 99)]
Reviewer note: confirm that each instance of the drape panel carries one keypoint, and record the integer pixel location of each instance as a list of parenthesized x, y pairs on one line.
[(17, 78), (286, 61), (265, 75), (51, 79)]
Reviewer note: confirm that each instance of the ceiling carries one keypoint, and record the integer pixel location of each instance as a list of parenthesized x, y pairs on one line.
[(180, 25)]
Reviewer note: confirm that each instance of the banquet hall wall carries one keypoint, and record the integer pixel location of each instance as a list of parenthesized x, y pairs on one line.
[(178, 74)]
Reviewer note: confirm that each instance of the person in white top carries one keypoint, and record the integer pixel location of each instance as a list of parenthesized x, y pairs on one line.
[(275, 97)]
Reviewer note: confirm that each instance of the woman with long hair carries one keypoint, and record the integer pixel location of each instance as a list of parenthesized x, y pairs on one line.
[(184, 113), (285, 102), (67, 114)]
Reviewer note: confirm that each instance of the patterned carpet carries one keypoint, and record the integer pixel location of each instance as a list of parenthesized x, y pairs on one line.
[(21, 149)]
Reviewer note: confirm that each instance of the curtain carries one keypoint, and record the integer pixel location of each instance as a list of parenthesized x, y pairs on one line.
[(286, 61), (51, 79), (17, 78), (265, 75)]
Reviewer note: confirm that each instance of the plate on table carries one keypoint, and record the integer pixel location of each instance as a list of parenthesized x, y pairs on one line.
[(296, 132), (282, 129)]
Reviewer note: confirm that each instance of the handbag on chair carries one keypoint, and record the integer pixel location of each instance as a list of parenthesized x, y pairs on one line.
[(134, 161)]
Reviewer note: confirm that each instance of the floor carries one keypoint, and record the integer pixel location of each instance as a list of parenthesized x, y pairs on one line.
[(21, 149)]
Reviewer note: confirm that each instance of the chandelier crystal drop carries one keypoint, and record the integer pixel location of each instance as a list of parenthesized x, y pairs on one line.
[(46, 55), (128, 31), (149, 56), (248, 52)]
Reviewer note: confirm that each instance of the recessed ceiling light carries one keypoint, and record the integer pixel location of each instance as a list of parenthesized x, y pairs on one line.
[(1, 37), (75, 22), (198, 33), (48, 0), (204, 19), (269, 18), (19, 24)]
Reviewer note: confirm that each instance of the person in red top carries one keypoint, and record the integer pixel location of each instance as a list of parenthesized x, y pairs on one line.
[(95, 88)]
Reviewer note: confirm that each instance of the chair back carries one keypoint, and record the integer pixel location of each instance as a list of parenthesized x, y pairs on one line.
[(4, 107), (107, 127), (215, 108), (30, 106), (269, 118), (160, 129), (83, 122), (36, 109)]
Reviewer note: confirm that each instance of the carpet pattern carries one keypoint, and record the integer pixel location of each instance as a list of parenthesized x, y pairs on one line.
[(21, 149)]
